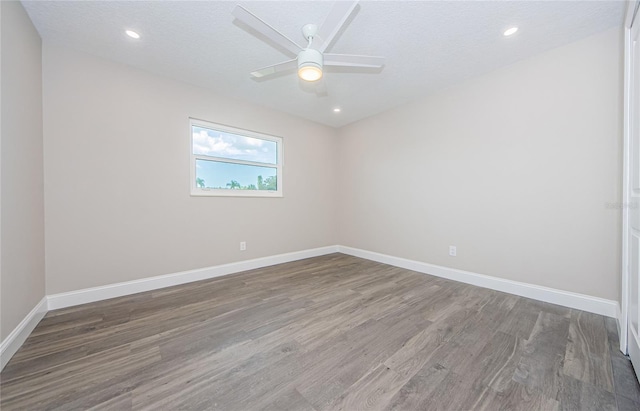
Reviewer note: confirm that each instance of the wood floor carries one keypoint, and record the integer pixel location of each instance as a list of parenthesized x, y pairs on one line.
[(327, 333)]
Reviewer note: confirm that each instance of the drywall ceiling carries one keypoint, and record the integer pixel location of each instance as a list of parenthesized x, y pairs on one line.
[(428, 45)]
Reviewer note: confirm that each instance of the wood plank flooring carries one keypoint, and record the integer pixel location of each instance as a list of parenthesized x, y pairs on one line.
[(328, 333)]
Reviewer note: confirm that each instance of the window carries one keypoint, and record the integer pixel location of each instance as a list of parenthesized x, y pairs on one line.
[(227, 161)]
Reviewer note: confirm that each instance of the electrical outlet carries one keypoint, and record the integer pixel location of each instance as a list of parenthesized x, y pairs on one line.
[(452, 250), (243, 245)]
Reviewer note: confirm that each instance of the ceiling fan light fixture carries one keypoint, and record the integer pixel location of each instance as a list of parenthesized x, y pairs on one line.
[(310, 72), (310, 65)]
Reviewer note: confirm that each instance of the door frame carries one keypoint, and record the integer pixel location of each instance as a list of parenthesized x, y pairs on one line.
[(623, 315)]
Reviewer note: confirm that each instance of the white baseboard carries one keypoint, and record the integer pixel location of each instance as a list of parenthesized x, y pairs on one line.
[(10, 345), (550, 295), (634, 350), (618, 324), (89, 295)]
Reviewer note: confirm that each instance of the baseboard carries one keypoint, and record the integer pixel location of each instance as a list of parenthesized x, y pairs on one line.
[(618, 318), (583, 302), (634, 350), (550, 295), (89, 295), (10, 345)]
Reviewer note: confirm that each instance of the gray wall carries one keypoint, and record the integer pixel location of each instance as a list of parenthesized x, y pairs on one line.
[(22, 206), (118, 207), (519, 168)]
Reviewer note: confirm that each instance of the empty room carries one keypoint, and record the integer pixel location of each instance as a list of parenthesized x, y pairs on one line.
[(320, 205)]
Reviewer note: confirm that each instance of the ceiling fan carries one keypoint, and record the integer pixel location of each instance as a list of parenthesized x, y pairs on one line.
[(311, 59)]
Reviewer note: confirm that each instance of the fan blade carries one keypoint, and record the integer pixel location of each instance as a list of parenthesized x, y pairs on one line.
[(350, 60), (338, 15), (264, 28), (267, 71)]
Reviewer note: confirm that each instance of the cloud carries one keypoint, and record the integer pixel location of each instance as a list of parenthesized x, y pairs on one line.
[(226, 145)]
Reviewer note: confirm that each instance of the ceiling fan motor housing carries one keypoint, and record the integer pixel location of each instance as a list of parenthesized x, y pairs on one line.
[(310, 65), (310, 57)]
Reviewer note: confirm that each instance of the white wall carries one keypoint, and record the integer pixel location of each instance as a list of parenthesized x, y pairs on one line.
[(22, 205), (515, 168), (117, 178)]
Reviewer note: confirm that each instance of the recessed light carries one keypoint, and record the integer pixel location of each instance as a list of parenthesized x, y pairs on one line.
[(336, 110), (132, 34), (510, 31)]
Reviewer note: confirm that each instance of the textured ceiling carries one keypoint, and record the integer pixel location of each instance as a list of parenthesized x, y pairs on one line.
[(428, 45)]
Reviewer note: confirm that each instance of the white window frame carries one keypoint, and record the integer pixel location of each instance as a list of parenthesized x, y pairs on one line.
[(198, 191)]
